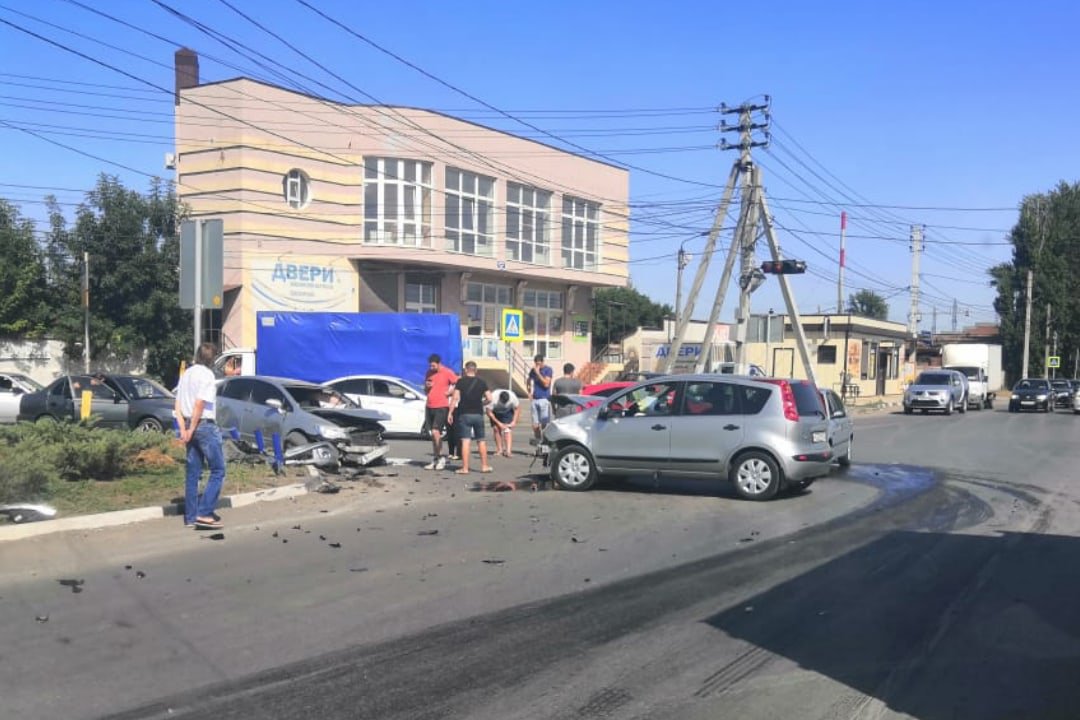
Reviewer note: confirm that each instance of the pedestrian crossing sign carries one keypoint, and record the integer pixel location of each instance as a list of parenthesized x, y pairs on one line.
[(1054, 361), (512, 321)]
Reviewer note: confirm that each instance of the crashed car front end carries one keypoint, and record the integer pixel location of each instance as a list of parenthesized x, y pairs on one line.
[(356, 435)]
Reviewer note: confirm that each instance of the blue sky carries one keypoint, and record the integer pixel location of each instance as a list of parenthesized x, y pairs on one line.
[(916, 105)]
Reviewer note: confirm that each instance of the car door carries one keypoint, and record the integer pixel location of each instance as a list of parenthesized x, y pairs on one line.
[(709, 426), (110, 407), (231, 409), (635, 434), (403, 404), (263, 416), (840, 424)]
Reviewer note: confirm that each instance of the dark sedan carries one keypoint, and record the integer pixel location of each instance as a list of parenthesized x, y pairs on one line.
[(1032, 394), (1063, 393), (117, 401)]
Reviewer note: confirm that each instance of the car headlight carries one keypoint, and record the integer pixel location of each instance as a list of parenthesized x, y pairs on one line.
[(1041, 397), (1015, 396), (818, 436), (332, 432)]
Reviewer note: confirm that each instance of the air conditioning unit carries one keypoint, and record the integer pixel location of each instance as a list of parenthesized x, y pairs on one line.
[(170, 161)]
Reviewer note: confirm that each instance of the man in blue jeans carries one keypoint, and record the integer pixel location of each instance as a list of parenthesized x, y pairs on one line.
[(539, 387), (194, 411)]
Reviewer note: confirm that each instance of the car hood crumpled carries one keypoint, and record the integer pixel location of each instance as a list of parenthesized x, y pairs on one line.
[(350, 416)]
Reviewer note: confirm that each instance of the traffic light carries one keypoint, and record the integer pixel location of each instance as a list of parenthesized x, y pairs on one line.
[(783, 267)]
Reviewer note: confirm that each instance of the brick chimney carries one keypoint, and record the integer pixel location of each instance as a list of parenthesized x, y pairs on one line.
[(187, 70)]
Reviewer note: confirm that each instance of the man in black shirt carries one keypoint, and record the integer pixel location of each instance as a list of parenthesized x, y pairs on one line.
[(471, 394)]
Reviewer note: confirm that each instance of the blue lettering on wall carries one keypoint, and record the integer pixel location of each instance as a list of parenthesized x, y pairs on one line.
[(285, 272)]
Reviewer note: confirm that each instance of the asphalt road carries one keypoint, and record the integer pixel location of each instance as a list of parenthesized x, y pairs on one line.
[(934, 580)]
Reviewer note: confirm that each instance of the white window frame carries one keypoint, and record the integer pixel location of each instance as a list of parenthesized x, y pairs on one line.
[(528, 242), (485, 341), (297, 187), (580, 219), (390, 223), (466, 209), (543, 309), (426, 303)]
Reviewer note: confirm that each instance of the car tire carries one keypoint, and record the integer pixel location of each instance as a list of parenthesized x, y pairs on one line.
[(295, 439), (845, 459), (756, 476), (907, 410), (963, 406), (149, 425), (949, 407), (46, 420), (573, 468)]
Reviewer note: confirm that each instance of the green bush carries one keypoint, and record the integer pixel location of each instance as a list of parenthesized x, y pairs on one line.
[(75, 451), (24, 477)]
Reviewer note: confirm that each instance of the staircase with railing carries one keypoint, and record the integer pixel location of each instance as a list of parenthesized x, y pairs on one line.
[(606, 361)]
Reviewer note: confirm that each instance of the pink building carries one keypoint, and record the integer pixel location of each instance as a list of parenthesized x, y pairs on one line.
[(335, 207)]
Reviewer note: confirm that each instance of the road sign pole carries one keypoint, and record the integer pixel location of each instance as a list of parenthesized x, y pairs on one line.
[(198, 283)]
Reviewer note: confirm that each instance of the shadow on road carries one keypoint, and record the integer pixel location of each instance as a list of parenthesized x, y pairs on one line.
[(935, 626)]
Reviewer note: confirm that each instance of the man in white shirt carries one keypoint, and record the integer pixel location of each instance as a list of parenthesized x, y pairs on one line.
[(194, 411)]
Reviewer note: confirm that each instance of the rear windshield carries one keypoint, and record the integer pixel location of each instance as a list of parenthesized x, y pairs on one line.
[(807, 399)]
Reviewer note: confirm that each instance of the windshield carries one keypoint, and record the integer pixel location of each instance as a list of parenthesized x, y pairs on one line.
[(26, 380), (311, 397), (140, 388), (933, 379), (1035, 384), (1061, 385), (971, 373)]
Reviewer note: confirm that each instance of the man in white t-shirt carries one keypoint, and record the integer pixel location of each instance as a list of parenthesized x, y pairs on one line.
[(194, 411), (503, 412)]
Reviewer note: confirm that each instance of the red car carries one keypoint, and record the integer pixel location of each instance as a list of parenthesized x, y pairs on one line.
[(607, 389)]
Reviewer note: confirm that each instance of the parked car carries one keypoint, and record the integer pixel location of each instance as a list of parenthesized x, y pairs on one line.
[(12, 388), (607, 389), (300, 413), (841, 427), (1032, 394), (403, 402), (117, 401), (765, 436), (1063, 393), (944, 390), (1076, 400)]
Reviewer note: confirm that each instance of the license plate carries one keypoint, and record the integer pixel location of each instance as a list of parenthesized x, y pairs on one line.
[(818, 436), (1027, 402)]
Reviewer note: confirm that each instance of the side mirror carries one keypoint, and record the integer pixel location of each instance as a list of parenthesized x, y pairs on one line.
[(411, 396), (839, 414), (275, 403), (604, 413)]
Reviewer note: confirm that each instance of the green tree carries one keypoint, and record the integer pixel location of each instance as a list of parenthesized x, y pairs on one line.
[(619, 311), (23, 294), (133, 242), (867, 303), (1046, 240)]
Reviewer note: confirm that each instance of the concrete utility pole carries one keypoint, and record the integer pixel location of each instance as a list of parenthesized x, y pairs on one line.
[(86, 312), (1030, 281), (683, 261), (843, 262), (913, 314), (955, 310), (1053, 371), (1046, 354), (933, 327)]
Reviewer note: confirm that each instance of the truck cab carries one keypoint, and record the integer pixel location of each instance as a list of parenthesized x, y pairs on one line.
[(979, 393), (235, 361)]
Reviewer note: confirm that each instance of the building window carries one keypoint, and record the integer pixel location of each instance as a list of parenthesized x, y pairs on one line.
[(484, 305), (580, 233), (421, 297), (296, 186), (528, 210), (397, 202), (469, 202), (826, 354), (543, 316)]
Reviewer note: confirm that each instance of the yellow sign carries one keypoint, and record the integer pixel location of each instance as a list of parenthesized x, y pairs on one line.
[(87, 405), (512, 325), (1054, 361)]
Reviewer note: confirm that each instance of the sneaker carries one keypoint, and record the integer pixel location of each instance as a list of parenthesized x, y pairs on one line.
[(440, 464), (431, 465)]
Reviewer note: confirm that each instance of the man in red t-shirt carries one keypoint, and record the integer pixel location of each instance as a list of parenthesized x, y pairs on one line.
[(439, 384)]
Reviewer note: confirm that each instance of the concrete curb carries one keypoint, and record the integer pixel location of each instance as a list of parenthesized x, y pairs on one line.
[(126, 517)]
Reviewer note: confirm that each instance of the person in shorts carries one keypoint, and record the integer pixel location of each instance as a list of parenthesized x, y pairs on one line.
[(566, 385), (539, 386), (467, 413), (503, 413), (439, 385)]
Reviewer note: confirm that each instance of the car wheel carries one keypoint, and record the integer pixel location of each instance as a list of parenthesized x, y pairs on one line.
[(845, 459), (907, 410), (295, 439), (963, 406), (149, 425), (949, 407), (46, 420), (573, 468), (756, 476)]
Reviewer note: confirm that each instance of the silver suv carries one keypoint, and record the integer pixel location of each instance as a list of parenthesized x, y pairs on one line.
[(944, 390), (764, 435)]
